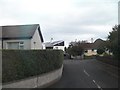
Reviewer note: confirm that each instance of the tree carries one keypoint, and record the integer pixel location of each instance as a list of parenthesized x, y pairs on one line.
[(113, 42), (75, 50), (100, 51)]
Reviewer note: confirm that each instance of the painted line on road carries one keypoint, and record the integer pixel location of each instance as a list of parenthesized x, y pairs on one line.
[(97, 85), (86, 73)]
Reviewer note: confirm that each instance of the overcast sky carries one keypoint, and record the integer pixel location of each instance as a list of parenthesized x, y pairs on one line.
[(67, 20)]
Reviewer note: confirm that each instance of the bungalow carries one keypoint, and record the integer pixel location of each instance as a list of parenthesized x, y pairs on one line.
[(21, 37), (91, 48)]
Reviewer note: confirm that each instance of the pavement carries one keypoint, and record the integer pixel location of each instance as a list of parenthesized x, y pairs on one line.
[(87, 74)]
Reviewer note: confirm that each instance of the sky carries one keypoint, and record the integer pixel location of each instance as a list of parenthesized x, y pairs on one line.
[(68, 20)]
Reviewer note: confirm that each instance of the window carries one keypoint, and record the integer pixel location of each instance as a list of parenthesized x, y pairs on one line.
[(86, 51), (21, 42), (15, 45), (92, 49), (56, 47), (21, 45)]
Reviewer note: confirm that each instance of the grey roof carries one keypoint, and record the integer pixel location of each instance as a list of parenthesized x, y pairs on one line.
[(48, 44), (20, 31), (95, 45), (56, 43)]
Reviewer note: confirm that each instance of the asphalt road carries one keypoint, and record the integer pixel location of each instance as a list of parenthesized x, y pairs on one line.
[(87, 74)]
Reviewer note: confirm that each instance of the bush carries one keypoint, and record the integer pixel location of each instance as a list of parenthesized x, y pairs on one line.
[(100, 51), (20, 64)]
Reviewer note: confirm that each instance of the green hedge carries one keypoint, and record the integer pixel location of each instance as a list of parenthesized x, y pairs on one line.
[(108, 59), (20, 64)]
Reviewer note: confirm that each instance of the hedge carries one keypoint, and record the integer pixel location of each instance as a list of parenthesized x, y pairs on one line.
[(20, 64), (108, 59)]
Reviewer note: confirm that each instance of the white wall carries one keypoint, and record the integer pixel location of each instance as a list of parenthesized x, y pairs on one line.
[(27, 43), (37, 40), (90, 52), (59, 47), (41, 81)]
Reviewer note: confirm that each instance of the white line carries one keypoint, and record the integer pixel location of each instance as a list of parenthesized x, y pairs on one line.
[(97, 85), (86, 73)]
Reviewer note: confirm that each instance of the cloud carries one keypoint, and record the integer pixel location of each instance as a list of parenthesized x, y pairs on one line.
[(63, 19)]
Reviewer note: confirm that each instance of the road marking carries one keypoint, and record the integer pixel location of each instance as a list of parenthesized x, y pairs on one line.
[(86, 73), (97, 85)]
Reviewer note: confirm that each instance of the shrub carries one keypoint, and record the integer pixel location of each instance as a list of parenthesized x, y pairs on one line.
[(100, 51), (20, 64)]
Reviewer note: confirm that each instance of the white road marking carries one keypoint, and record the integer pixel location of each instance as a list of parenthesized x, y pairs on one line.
[(97, 85), (86, 73)]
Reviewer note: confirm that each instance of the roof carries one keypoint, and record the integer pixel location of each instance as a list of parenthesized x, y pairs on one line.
[(48, 44), (58, 43), (98, 43), (55, 43), (87, 45), (20, 31), (94, 45)]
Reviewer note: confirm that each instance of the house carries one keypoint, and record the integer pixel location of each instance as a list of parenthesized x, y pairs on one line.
[(21, 37), (55, 45), (91, 48)]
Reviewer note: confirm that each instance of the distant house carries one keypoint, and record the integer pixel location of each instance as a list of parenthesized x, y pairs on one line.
[(91, 48), (55, 45), (21, 37)]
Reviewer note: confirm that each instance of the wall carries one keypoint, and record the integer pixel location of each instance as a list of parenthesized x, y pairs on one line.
[(37, 40), (59, 47), (27, 44), (41, 81)]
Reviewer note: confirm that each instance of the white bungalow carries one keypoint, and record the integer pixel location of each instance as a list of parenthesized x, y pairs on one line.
[(21, 37)]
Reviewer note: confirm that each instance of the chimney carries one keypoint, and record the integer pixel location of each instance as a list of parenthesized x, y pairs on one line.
[(91, 40)]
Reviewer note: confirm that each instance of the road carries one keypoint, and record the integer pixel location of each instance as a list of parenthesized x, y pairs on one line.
[(87, 74)]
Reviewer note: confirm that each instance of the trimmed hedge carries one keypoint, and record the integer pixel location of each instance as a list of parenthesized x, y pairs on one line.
[(20, 64)]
